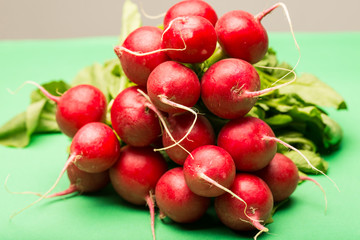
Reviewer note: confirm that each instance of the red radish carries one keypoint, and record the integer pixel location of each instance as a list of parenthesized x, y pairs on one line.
[(252, 144), (207, 166), (94, 149), (189, 39), (244, 139), (258, 197), (135, 174), (241, 35), (78, 106), (230, 87), (201, 134), (191, 8), (83, 182), (80, 182), (138, 66), (176, 201), (225, 87), (282, 177), (132, 120), (172, 84)]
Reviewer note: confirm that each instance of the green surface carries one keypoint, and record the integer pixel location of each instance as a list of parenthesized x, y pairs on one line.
[(332, 57)]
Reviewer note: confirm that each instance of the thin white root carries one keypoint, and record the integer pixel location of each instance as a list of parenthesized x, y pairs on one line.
[(140, 54), (211, 181), (302, 155), (25, 192), (267, 90), (161, 15), (286, 12), (151, 106), (171, 103), (302, 178), (71, 159), (41, 88), (260, 232)]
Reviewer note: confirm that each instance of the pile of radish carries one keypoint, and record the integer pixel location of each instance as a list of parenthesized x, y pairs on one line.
[(160, 148)]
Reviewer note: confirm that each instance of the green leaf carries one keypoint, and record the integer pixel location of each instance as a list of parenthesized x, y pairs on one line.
[(38, 117), (332, 132), (13, 133), (93, 75), (315, 159), (279, 119), (295, 139), (131, 19), (109, 78), (314, 91)]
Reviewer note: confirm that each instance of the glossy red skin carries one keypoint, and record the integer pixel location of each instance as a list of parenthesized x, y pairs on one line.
[(87, 182), (191, 8), (201, 134), (243, 139), (176, 200), (143, 39), (78, 106), (178, 83), (241, 35), (134, 123), (136, 173), (96, 147), (198, 34), (222, 86), (254, 191), (281, 175), (214, 162)]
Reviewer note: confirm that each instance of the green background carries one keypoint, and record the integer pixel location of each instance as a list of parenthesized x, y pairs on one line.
[(333, 57)]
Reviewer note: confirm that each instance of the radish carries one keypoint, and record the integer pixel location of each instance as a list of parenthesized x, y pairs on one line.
[(80, 181), (176, 201), (252, 144), (243, 138), (191, 8), (230, 87), (282, 177), (207, 166), (78, 106), (83, 182), (138, 66), (255, 192), (171, 86), (94, 149), (132, 119), (135, 174), (201, 134), (241, 35), (189, 39)]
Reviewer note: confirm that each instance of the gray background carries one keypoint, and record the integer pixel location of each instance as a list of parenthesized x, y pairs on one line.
[(46, 19)]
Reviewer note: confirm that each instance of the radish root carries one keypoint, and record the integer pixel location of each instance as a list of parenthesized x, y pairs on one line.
[(41, 88), (140, 54), (71, 159), (305, 178), (151, 106), (213, 182), (171, 103), (150, 202)]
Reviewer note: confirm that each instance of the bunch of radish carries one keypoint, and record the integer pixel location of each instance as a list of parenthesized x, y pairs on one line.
[(159, 149)]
